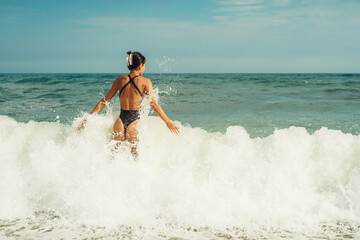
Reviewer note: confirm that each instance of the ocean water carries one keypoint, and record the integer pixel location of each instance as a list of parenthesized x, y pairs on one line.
[(260, 156)]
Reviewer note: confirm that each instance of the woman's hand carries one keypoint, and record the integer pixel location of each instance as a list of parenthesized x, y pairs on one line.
[(82, 124), (173, 128)]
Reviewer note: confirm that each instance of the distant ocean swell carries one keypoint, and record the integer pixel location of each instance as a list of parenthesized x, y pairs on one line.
[(290, 181), (258, 102)]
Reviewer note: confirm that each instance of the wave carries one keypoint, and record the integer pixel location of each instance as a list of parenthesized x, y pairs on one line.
[(290, 179), (39, 79)]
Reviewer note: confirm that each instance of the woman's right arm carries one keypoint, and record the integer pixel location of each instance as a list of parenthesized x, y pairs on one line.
[(102, 103), (159, 111)]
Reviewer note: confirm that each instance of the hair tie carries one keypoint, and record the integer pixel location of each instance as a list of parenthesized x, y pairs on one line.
[(129, 59)]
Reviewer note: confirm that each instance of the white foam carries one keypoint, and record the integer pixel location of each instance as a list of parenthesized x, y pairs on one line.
[(290, 179)]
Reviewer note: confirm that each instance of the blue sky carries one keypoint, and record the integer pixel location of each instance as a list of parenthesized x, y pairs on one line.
[(237, 36)]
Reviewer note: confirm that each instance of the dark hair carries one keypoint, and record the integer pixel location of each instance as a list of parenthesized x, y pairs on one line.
[(137, 60)]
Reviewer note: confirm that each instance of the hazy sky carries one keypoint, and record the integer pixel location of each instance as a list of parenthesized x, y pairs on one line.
[(254, 36)]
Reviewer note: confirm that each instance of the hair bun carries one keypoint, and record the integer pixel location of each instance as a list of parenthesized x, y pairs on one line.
[(134, 60)]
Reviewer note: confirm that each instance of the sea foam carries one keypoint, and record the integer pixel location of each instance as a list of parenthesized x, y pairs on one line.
[(288, 180)]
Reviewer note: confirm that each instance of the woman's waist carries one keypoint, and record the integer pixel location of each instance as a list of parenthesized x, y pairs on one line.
[(132, 114), (130, 110)]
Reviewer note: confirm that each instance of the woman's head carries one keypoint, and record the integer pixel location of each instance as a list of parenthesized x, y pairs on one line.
[(135, 60)]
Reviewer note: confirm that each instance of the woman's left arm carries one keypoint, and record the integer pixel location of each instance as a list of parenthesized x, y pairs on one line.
[(102, 103)]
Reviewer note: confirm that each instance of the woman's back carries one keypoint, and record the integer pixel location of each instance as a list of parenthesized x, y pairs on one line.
[(131, 91)]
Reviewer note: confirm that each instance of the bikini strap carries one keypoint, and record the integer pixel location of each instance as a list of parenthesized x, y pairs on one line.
[(123, 88), (131, 81)]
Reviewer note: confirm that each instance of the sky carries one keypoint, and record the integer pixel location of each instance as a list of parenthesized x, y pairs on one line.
[(180, 36)]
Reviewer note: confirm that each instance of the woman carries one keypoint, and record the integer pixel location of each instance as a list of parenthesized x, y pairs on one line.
[(132, 88)]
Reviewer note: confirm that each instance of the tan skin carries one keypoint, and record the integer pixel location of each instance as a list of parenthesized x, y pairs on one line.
[(130, 99)]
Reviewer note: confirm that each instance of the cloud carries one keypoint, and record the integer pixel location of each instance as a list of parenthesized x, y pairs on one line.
[(10, 19), (322, 16), (238, 2), (8, 8), (280, 21), (156, 28), (156, 36), (281, 2), (252, 5), (241, 8)]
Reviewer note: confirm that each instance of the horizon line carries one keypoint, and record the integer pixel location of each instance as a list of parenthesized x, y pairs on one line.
[(182, 73)]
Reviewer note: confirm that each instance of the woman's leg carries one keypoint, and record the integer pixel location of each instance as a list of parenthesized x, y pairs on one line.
[(131, 136), (118, 132)]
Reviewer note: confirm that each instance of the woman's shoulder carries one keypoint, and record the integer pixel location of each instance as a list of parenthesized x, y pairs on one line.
[(122, 78), (146, 80)]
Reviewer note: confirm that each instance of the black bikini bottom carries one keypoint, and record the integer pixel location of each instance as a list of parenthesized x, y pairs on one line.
[(128, 116)]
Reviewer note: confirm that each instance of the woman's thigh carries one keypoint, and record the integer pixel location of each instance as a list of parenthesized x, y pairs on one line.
[(131, 132), (118, 130)]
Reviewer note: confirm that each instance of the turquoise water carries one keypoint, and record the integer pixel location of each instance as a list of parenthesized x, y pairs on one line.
[(258, 102)]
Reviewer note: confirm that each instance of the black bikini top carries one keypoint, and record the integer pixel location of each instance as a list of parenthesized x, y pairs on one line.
[(131, 81)]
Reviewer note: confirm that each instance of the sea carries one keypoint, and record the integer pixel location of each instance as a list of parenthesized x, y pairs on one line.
[(259, 156)]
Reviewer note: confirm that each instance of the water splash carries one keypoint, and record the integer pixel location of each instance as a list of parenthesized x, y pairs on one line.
[(289, 181), (165, 64)]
